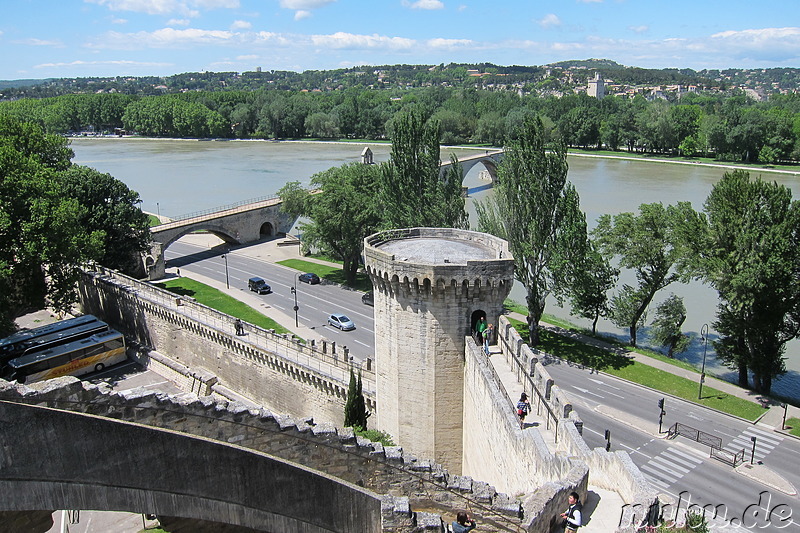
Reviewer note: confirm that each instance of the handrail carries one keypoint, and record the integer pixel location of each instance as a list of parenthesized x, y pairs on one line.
[(520, 371), (222, 208)]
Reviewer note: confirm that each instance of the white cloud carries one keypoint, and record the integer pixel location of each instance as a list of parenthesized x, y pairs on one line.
[(639, 29), (117, 20), (549, 21), (305, 4), (163, 38), (248, 57), (241, 25), (424, 4), (341, 40), (165, 7), (39, 42), (301, 14), (449, 44), (178, 22)]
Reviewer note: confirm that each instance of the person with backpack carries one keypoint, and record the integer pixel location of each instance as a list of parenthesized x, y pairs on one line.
[(572, 516), (523, 408)]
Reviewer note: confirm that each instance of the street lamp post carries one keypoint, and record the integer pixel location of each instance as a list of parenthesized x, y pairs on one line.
[(783, 424), (294, 292), (753, 451), (704, 335), (158, 210), (227, 280)]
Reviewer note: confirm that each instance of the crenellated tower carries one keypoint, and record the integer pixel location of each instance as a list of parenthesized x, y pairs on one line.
[(431, 287)]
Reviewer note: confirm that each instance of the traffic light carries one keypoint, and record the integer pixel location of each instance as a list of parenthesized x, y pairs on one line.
[(661, 404)]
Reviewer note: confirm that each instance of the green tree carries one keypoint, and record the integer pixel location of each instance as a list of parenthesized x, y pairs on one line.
[(594, 277), (648, 244), (341, 213), (111, 210), (538, 212), (355, 410), (42, 239), (746, 245), (670, 316), (413, 191)]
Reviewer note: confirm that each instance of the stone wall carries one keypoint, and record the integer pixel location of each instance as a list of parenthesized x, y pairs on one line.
[(273, 370), (495, 447), (612, 471), (59, 459), (415, 495)]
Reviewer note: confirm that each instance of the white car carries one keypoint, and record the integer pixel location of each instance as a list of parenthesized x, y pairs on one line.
[(341, 322)]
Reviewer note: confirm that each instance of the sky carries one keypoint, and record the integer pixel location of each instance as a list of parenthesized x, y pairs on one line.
[(85, 38)]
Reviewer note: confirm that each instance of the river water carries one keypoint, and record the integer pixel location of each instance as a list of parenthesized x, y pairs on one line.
[(175, 177)]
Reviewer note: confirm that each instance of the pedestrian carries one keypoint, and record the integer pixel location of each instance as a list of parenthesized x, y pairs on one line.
[(480, 327), (488, 337), (523, 407), (179, 272), (239, 327), (572, 519), (463, 523)]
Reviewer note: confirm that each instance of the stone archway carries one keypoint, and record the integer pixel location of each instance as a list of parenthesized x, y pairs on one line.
[(267, 230)]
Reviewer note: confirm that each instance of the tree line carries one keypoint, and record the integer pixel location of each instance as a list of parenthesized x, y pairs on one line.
[(729, 128), (745, 242), (55, 216)]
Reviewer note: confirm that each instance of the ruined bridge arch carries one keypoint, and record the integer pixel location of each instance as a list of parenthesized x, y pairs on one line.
[(54, 459), (244, 223), (490, 160)]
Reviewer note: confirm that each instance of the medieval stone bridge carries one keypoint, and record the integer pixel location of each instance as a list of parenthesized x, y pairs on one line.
[(247, 222), (253, 220)]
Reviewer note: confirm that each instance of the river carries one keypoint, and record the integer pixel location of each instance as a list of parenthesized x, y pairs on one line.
[(175, 177)]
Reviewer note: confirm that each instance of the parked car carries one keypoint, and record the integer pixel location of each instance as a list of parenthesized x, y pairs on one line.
[(258, 285), (368, 298), (310, 278), (341, 322)]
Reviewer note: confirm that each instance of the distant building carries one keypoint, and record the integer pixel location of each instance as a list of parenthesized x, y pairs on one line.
[(596, 88)]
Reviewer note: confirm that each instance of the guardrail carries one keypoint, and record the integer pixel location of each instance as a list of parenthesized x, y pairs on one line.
[(695, 434), (518, 367), (221, 208), (732, 458)]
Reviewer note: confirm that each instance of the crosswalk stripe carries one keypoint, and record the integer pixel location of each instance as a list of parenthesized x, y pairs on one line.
[(683, 460), (671, 464), (684, 455), (656, 481), (663, 471)]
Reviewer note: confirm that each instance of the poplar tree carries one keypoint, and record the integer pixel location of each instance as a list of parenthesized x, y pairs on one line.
[(355, 410), (538, 212), (414, 191)]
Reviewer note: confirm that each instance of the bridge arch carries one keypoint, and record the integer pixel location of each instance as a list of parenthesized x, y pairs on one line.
[(174, 474), (489, 160), (214, 229), (267, 230)]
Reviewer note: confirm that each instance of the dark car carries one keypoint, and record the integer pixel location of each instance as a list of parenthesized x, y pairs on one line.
[(310, 278), (258, 285), (368, 298), (341, 321)]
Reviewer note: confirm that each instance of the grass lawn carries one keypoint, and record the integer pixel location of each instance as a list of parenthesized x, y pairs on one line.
[(794, 424), (616, 363), (329, 273), (154, 221), (221, 302)]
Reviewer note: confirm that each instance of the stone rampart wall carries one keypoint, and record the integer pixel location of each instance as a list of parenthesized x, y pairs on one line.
[(610, 471), (274, 370), (404, 482), (495, 447)]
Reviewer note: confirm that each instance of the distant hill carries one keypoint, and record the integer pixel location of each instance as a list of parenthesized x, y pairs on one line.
[(6, 84), (562, 77)]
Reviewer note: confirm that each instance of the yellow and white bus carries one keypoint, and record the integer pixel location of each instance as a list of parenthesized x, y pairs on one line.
[(74, 358)]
